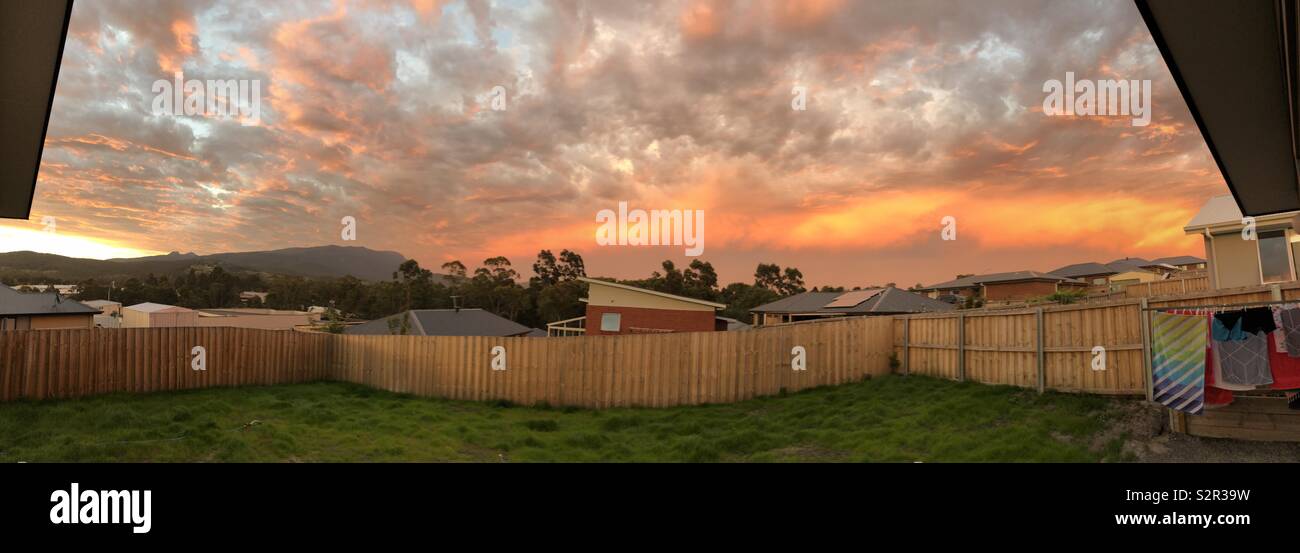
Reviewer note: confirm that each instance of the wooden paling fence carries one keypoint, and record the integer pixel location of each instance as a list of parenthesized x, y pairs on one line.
[(597, 371), (1052, 347), (44, 364), (1046, 348)]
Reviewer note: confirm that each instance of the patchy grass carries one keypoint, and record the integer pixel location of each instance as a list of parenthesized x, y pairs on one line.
[(895, 418)]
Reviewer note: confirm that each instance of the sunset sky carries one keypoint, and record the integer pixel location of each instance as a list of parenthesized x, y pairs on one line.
[(380, 110)]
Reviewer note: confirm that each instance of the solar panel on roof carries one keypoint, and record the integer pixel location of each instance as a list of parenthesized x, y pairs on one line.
[(850, 299)]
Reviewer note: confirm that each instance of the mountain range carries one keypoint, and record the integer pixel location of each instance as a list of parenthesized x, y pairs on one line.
[(320, 261)]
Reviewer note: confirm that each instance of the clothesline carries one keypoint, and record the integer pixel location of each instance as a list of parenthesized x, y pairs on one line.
[(1221, 305)]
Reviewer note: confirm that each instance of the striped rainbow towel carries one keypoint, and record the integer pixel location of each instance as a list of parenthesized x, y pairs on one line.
[(1178, 361)]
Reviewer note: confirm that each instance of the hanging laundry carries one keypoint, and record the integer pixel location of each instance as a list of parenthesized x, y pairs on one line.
[(1227, 326), (1178, 361), (1215, 396), (1285, 369), (1245, 361), (1291, 326), (1279, 335), (1215, 372), (1257, 320)]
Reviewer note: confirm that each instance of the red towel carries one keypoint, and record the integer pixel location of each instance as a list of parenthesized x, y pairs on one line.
[(1285, 369)]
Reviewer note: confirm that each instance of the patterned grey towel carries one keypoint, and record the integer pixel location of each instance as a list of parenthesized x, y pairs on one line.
[(1245, 362), (1291, 326)]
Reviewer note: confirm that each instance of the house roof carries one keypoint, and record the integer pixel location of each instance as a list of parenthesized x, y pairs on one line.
[(13, 302), (1128, 264), (446, 322), (1179, 260), (1083, 269), (993, 278), (149, 307), (652, 292), (890, 300), (100, 303)]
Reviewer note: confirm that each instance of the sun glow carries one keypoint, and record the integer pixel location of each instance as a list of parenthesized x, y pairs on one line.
[(15, 238)]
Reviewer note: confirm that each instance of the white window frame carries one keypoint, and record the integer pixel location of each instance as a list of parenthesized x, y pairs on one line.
[(1259, 259), (617, 319)]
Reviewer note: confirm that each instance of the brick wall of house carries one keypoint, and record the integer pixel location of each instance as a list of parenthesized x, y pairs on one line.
[(638, 320), (1018, 290)]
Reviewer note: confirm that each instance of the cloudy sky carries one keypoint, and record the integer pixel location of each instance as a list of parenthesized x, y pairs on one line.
[(381, 110)]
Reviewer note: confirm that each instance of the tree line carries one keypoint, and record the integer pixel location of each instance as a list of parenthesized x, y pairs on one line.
[(552, 293)]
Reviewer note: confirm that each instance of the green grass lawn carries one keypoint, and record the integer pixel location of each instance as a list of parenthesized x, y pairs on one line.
[(895, 418)]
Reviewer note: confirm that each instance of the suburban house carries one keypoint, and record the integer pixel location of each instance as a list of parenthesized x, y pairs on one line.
[(1001, 287), (42, 311), (1130, 270), (248, 317), (157, 315), (858, 303), (443, 322), (110, 313), (1237, 258), (614, 308)]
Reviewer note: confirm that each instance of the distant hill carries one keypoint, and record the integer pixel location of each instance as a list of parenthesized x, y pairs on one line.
[(321, 261)]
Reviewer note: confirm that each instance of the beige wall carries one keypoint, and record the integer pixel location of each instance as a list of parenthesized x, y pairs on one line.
[(606, 296), (50, 322), (1236, 261), (1133, 277), (137, 319)]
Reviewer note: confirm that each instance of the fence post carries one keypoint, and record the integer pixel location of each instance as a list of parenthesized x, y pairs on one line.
[(1146, 346), (1042, 361), (961, 347), (907, 340)]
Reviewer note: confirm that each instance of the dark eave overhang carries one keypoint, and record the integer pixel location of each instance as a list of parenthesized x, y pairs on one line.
[(31, 39), (1234, 63)]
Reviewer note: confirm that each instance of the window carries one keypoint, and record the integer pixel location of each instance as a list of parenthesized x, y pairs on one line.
[(610, 322), (1274, 259)]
